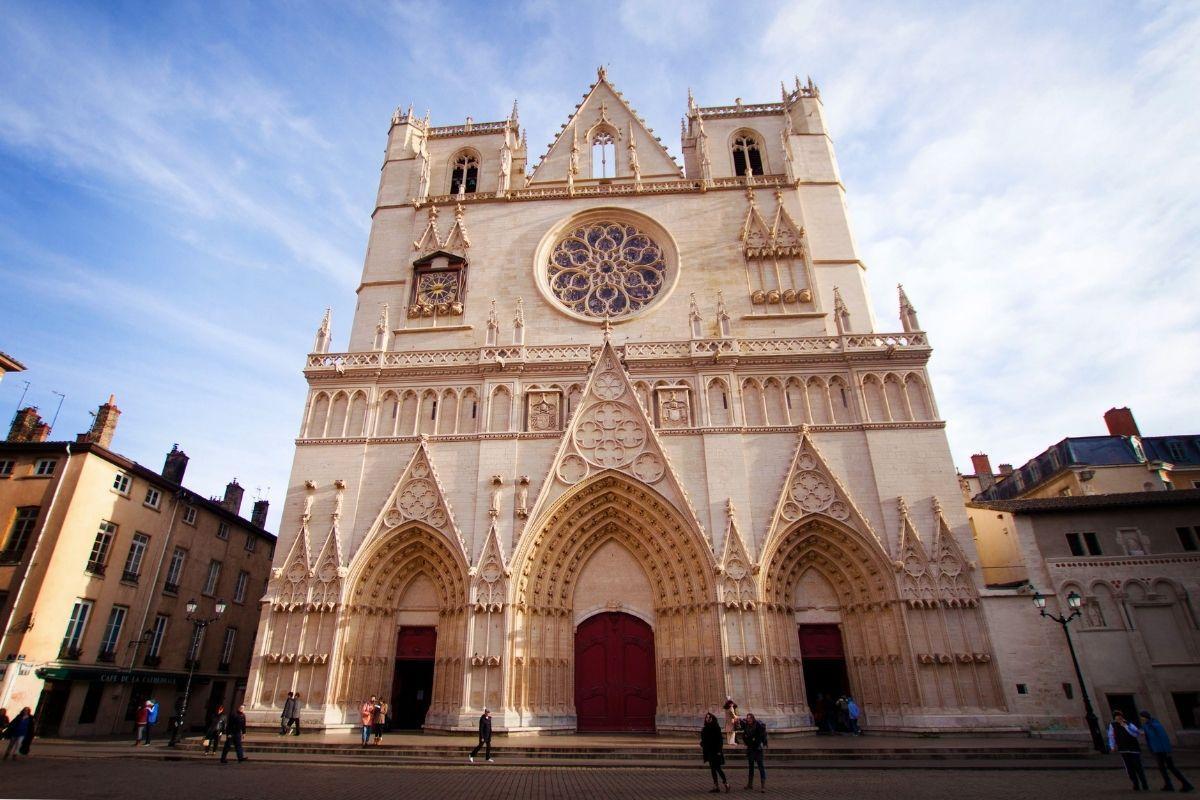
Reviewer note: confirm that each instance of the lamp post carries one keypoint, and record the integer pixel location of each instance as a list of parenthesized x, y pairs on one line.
[(1074, 601), (198, 626)]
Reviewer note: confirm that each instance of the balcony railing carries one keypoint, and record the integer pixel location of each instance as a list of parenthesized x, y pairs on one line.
[(95, 568), (191, 663), (69, 652), (223, 666), (129, 577), (11, 556), (170, 588), (152, 661), (107, 656)]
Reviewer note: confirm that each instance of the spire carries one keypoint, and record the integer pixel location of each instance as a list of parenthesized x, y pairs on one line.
[(841, 314), (694, 318), (691, 100), (321, 343), (519, 323), (513, 117), (381, 329), (908, 314), (722, 316), (634, 166), (493, 326)]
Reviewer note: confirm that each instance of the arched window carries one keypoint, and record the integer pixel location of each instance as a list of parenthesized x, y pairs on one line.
[(604, 155), (465, 175), (747, 151)]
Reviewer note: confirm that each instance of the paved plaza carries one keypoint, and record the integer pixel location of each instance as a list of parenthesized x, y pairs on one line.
[(116, 776)]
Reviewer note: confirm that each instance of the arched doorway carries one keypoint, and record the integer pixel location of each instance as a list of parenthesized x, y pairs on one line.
[(615, 686)]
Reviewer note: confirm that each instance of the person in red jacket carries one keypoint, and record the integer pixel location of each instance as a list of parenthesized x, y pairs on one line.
[(141, 733)]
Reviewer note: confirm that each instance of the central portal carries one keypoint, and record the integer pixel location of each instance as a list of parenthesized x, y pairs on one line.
[(412, 682), (614, 674)]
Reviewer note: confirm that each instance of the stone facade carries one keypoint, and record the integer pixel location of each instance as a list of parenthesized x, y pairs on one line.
[(615, 385)]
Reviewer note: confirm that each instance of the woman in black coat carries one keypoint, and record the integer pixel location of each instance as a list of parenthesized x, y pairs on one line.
[(712, 744)]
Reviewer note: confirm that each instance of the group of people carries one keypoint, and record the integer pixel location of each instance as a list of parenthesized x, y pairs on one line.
[(753, 733), (289, 718), (374, 718), (18, 731), (1124, 738), (836, 716), (231, 726)]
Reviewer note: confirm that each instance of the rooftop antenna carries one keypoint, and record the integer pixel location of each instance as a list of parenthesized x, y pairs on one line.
[(61, 397), (17, 410)]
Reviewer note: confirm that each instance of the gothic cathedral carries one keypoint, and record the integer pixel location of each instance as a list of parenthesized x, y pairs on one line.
[(616, 438)]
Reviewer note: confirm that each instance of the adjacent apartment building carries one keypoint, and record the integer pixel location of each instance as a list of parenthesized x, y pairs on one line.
[(1116, 520), (99, 557)]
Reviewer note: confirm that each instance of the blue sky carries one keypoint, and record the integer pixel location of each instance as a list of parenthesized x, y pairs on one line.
[(184, 187)]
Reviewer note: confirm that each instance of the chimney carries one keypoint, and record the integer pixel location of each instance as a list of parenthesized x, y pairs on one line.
[(27, 426), (105, 424), (1006, 470), (175, 465), (1120, 422), (233, 496), (259, 515), (983, 470)]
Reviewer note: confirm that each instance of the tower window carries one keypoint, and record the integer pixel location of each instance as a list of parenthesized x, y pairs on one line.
[(465, 175), (604, 155), (747, 152)]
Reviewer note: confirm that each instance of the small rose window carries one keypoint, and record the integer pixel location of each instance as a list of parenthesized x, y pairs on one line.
[(606, 269)]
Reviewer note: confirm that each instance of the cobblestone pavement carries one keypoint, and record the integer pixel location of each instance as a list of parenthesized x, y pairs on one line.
[(124, 778)]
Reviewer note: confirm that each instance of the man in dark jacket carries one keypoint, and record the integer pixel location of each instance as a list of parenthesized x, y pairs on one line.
[(754, 736), (485, 738), (1160, 744), (235, 729), (288, 713), (1123, 739), (175, 723)]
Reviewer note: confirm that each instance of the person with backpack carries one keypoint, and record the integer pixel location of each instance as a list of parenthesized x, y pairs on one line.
[(1160, 745), (754, 736), (1123, 739)]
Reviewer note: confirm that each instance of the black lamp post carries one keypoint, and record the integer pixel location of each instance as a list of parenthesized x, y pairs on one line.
[(1075, 601), (198, 626)]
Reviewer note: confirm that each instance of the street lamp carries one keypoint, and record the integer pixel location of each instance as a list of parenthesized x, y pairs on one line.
[(1074, 601), (198, 626)]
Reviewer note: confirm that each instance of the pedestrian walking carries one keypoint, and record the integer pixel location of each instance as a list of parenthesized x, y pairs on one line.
[(1123, 739), (754, 736), (213, 730), (294, 722), (731, 719), (1160, 745), (235, 729), (365, 714), (287, 714), (176, 722), (379, 720), (843, 715), (16, 732), (485, 738), (712, 747), (141, 730), (852, 714)]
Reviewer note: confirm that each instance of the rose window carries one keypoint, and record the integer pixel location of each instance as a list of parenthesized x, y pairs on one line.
[(606, 269)]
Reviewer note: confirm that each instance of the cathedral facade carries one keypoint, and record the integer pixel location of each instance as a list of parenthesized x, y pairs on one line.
[(615, 438)]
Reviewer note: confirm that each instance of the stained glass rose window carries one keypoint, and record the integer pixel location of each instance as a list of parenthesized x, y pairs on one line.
[(606, 269)]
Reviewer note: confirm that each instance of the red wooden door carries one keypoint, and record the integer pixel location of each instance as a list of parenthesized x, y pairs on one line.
[(614, 674)]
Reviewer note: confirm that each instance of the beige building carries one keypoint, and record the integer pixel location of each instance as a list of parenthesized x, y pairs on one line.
[(99, 557), (614, 437)]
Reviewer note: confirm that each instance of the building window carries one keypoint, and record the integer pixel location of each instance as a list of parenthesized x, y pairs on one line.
[(153, 498), (210, 582), (44, 467), (1022, 688), (174, 571), (1189, 538), (227, 649), (189, 515), (157, 634), (223, 530), (99, 557), (1068, 691), (251, 542), (133, 561), (747, 151), (465, 175), (6, 467), (239, 588), (1092, 543), (1175, 449), (75, 627), (604, 155), (112, 634), (1083, 544), (19, 534), (121, 483), (606, 269)]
